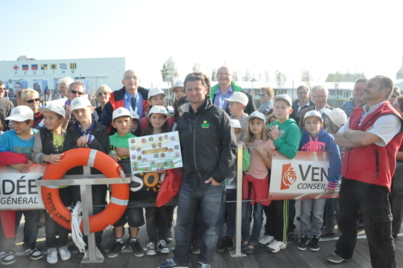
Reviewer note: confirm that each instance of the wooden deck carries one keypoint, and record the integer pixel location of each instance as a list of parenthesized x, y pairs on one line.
[(290, 257)]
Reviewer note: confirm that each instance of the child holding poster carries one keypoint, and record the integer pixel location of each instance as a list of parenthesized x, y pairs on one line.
[(315, 139), (157, 218), (256, 178)]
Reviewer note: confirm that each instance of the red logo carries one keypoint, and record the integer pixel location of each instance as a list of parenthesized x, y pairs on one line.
[(288, 177), (15, 67)]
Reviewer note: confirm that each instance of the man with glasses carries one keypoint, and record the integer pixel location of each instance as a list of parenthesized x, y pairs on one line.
[(5, 107), (357, 100), (76, 89), (131, 96), (225, 88), (319, 97), (303, 93)]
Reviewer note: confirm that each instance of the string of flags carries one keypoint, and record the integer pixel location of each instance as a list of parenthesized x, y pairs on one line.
[(45, 66)]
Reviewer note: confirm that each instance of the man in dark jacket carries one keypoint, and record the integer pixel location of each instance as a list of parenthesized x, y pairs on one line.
[(206, 139), (225, 88), (303, 102), (131, 96)]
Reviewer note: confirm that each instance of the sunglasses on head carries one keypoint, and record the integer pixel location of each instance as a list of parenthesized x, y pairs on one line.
[(102, 93), (77, 92), (31, 101)]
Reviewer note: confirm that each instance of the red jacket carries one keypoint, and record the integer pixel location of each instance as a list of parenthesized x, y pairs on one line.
[(371, 164)]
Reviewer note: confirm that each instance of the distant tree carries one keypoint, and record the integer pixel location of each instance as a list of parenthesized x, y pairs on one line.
[(169, 71), (253, 79), (306, 77), (196, 67), (266, 77), (214, 75), (281, 78), (235, 76), (247, 76)]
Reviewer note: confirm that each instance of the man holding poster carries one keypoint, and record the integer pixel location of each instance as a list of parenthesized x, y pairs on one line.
[(206, 140), (371, 136)]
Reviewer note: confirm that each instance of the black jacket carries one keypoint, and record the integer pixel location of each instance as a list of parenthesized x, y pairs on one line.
[(206, 141)]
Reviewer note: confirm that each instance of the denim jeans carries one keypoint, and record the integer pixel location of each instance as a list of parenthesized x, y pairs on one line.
[(311, 218), (373, 202), (332, 207), (31, 227), (196, 197), (257, 221), (228, 211)]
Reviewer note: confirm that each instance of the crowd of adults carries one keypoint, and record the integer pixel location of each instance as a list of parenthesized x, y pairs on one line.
[(371, 137)]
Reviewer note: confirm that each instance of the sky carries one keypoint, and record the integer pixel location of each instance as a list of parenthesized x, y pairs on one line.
[(285, 35)]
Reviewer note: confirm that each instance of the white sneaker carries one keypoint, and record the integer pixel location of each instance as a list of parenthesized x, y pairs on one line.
[(267, 239), (52, 256), (64, 253), (276, 246), (162, 246), (151, 249)]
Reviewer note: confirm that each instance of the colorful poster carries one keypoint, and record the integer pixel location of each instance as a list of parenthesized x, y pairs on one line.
[(149, 153), (304, 177)]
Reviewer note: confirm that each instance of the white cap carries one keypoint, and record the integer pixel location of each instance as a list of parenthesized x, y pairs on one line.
[(257, 114), (21, 113), (119, 112), (54, 108), (178, 83), (157, 109), (155, 91), (134, 115), (337, 116), (80, 103), (313, 113), (238, 97), (235, 123), (283, 97)]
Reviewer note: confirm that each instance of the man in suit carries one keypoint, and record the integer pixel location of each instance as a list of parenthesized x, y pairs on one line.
[(303, 102)]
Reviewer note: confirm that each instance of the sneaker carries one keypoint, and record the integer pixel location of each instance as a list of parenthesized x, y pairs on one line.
[(65, 254), (170, 263), (266, 240), (114, 252), (276, 246), (2, 254), (314, 244), (162, 246), (203, 265), (151, 249), (303, 243), (228, 243), (52, 256), (292, 237), (8, 258), (135, 246), (196, 247), (220, 248), (34, 253), (169, 237), (334, 258)]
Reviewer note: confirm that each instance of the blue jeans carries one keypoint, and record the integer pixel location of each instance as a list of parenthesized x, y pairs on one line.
[(197, 197), (257, 221), (311, 218), (228, 211)]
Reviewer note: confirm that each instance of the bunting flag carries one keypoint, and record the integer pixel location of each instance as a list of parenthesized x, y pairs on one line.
[(53, 66), (34, 67), (25, 67), (63, 66), (73, 65), (15, 67), (44, 66)]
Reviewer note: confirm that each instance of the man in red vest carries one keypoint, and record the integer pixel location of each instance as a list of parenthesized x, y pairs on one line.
[(131, 96), (371, 136)]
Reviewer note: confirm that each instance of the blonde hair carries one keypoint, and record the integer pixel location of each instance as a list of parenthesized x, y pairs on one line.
[(105, 88), (29, 92), (251, 138)]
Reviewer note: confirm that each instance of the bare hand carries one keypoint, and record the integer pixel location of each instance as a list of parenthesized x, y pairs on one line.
[(122, 152), (259, 149), (115, 157), (21, 168), (53, 158), (274, 133), (68, 111), (212, 181), (329, 190), (82, 141)]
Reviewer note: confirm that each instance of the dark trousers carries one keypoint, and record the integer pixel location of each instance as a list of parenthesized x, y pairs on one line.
[(157, 219), (277, 219), (396, 205), (373, 202), (31, 227)]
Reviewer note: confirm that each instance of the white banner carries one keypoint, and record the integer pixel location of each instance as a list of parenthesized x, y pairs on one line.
[(304, 177), (19, 191)]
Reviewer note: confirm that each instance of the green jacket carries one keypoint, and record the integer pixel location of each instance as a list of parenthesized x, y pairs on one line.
[(290, 136), (117, 141)]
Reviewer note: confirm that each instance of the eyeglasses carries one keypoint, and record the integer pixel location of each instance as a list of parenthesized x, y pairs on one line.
[(222, 74), (77, 92), (393, 96), (102, 93), (264, 95), (31, 101), (130, 77)]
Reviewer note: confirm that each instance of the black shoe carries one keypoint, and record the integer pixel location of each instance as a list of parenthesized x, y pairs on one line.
[(196, 247), (34, 253), (116, 249), (314, 243), (292, 237), (135, 246), (220, 245), (8, 258), (303, 243), (228, 243)]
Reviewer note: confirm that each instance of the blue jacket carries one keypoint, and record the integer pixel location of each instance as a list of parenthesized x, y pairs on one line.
[(324, 142)]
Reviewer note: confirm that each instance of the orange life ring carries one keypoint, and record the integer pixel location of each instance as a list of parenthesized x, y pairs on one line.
[(96, 159)]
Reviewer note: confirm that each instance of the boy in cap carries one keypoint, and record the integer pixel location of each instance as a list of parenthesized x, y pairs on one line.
[(236, 105), (135, 127), (48, 147), (286, 136), (21, 140), (119, 149), (315, 139)]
